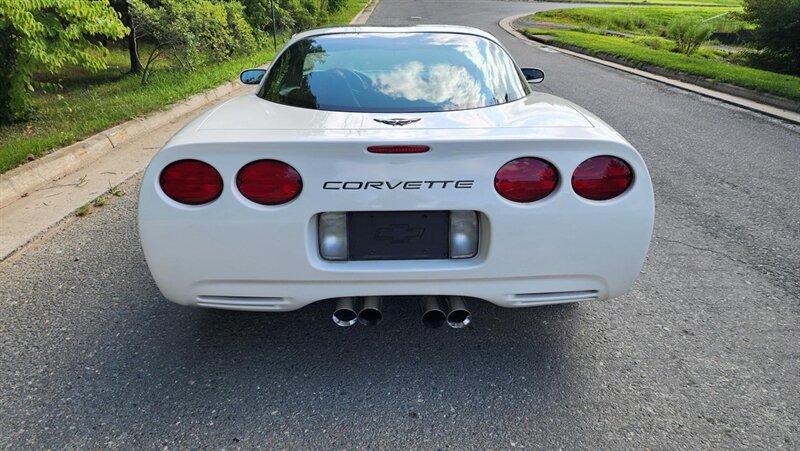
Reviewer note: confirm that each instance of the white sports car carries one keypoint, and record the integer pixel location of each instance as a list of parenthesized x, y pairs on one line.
[(385, 161)]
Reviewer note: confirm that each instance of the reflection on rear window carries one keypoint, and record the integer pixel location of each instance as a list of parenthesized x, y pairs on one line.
[(393, 72)]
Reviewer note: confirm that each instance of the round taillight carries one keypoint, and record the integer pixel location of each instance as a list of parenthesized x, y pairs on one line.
[(602, 178), (269, 182), (191, 182), (526, 179)]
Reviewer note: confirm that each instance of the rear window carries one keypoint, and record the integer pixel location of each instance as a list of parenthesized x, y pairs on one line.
[(393, 73)]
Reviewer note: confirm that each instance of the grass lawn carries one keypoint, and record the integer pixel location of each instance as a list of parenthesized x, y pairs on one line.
[(639, 52), (638, 20), (91, 102), (659, 2)]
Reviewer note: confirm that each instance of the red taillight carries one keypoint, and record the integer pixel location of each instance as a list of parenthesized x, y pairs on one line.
[(602, 178), (191, 182), (526, 179), (398, 149), (269, 182)]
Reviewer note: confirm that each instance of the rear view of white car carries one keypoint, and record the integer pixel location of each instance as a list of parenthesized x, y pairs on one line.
[(375, 162)]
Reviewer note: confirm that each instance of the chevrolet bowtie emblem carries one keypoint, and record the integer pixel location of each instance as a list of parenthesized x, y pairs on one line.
[(399, 233), (398, 121)]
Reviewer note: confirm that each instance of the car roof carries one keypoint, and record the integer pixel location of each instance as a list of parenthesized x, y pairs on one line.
[(392, 29)]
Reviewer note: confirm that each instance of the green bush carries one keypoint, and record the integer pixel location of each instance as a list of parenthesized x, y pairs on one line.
[(242, 33), (187, 30), (688, 34), (335, 5), (777, 31), (291, 16), (45, 35)]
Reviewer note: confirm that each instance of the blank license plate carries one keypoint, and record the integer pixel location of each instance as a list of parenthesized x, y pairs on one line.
[(398, 235)]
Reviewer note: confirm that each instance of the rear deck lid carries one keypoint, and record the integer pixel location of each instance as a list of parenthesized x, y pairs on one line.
[(534, 111)]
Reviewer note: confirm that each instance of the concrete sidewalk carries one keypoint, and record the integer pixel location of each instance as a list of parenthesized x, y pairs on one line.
[(48, 203)]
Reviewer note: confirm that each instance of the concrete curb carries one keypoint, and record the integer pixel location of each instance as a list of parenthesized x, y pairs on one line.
[(363, 15), (21, 180), (762, 103)]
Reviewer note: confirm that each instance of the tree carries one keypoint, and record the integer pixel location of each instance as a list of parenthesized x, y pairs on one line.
[(290, 15), (46, 35), (188, 30), (777, 30)]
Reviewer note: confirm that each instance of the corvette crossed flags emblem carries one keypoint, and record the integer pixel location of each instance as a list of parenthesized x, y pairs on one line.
[(398, 121)]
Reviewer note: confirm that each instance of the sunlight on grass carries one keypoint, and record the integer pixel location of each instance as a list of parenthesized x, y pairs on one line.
[(651, 20), (644, 52)]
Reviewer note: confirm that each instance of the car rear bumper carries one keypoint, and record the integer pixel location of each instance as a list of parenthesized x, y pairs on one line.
[(511, 293), (235, 254)]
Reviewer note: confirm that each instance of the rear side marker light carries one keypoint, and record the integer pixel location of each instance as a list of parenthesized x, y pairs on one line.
[(602, 178), (269, 182), (526, 180), (398, 149), (191, 182)]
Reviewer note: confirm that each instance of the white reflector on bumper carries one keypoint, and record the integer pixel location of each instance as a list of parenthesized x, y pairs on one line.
[(333, 236), (463, 233)]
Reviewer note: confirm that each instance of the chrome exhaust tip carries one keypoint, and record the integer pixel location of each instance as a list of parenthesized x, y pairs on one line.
[(370, 313), (345, 313), (457, 314), (433, 315)]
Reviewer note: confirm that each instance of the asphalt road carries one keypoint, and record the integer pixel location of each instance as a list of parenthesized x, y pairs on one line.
[(703, 353)]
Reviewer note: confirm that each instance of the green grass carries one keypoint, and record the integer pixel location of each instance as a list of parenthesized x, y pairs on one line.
[(346, 14), (89, 102), (638, 52), (638, 20), (659, 2)]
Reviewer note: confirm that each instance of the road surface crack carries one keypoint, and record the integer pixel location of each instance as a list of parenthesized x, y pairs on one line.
[(715, 252)]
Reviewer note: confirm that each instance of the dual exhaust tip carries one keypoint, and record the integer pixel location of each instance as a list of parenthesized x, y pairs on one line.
[(347, 315), (451, 310), (435, 310)]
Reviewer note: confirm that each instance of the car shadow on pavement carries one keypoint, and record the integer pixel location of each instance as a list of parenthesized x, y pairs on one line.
[(271, 364)]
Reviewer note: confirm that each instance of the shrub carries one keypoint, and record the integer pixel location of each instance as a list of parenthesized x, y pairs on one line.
[(290, 15), (46, 35), (777, 31), (688, 34), (241, 31), (182, 28), (335, 5)]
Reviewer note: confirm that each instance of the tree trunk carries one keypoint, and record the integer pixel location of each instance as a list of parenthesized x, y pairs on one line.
[(133, 46), (133, 50)]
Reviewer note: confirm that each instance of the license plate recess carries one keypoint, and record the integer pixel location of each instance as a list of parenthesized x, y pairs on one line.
[(398, 235)]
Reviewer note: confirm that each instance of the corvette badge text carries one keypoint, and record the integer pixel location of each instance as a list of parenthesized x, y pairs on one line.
[(401, 185)]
